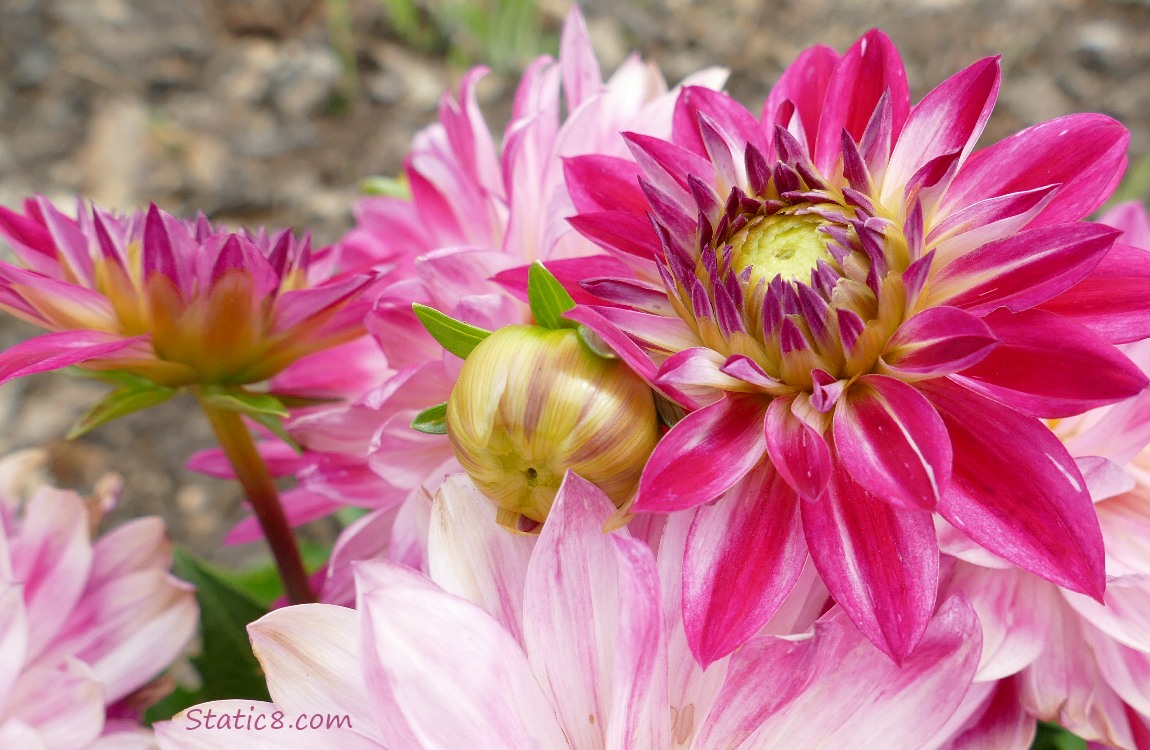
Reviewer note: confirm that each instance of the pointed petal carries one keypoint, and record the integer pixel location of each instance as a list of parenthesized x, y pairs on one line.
[(804, 85), (581, 77), (1022, 270), (1017, 492), (55, 350), (426, 649), (474, 558), (938, 341), (743, 556), (1111, 300), (311, 656), (683, 472), (879, 561), (799, 453), (1084, 153), (892, 442), (1048, 366), (876, 703)]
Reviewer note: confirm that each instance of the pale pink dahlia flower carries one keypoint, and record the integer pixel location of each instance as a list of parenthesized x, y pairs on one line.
[(179, 303), (562, 641), (85, 625), (1061, 656), (477, 210), (866, 320)]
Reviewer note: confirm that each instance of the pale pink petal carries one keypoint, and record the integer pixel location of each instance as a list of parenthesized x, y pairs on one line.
[(1124, 613), (1014, 609), (581, 77), (892, 442), (879, 561), (682, 472), (312, 658), (1104, 478), (1028, 504), (13, 637), (63, 701), (743, 556), (860, 699), (426, 649), (1123, 668), (573, 617), (471, 556), (51, 557)]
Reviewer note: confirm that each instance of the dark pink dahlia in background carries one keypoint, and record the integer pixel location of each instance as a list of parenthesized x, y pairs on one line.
[(866, 322)]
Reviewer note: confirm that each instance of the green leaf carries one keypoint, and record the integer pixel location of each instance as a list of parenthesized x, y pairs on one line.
[(1054, 737), (433, 421), (121, 378), (227, 666), (547, 297), (275, 426), (120, 403), (455, 336), (234, 398), (391, 187), (596, 344)]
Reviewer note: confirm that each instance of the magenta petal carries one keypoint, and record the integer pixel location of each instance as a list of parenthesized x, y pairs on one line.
[(949, 118), (598, 182), (1016, 491), (1111, 300), (803, 84), (798, 452), (570, 272), (938, 341), (743, 556), (869, 68), (879, 561), (1047, 366), (1022, 270), (626, 234), (55, 350), (1084, 153), (892, 441), (703, 455)]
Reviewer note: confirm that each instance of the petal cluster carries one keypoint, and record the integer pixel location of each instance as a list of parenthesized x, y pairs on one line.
[(869, 318), (85, 624), (179, 303)]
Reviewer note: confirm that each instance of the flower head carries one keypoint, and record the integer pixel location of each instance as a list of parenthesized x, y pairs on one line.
[(85, 624), (863, 312), (178, 303)]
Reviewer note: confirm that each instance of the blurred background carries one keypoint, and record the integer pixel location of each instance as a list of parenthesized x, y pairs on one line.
[(272, 112)]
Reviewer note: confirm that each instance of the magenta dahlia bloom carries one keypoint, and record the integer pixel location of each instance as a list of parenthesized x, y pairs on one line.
[(179, 303), (867, 321), (85, 625), (563, 641)]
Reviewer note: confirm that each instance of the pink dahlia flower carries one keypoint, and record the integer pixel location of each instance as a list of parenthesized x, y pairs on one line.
[(477, 210), (85, 625), (563, 642), (866, 320), (1061, 656), (178, 303)]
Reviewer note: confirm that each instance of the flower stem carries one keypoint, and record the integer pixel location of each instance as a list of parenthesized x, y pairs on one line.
[(257, 482)]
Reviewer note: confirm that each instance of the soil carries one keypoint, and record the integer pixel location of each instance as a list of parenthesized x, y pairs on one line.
[(244, 109)]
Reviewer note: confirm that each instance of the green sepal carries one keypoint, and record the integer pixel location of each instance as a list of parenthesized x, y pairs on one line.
[(389, 187), (433, 421), (547, 297), (121, 378), (262, 408), (120, 403), (455, 336), (595, 343)]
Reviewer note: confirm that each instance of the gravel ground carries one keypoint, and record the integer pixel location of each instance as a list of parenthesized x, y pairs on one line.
[(241, 108)]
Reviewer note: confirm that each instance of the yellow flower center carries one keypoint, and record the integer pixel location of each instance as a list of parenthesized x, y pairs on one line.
[(779, 244)]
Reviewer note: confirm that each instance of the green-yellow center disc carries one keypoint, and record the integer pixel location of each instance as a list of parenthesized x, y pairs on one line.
[(781, 244)]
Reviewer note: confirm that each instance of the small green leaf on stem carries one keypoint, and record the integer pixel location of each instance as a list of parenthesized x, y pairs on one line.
[(433, 421), (120, 403), (547, 297), (455, 336)]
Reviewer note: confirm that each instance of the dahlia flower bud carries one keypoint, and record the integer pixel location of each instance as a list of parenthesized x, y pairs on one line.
[(531, 403)]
